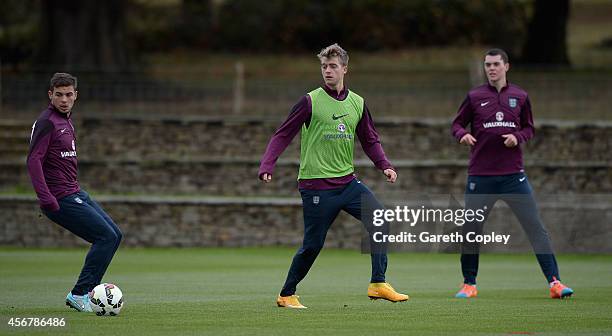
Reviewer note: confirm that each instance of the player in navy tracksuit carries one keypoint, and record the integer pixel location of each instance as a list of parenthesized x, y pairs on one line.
[(52, 165), (500, 117)]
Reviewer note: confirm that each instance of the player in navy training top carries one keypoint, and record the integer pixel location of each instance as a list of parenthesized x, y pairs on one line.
[(52, 165), (500, 119)]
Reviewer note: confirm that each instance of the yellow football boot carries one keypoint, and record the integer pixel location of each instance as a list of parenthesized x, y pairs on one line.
[(289, 302), (383, 290)]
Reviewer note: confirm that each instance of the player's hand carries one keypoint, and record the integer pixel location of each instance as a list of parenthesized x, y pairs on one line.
[(467, 140), (510, 140), (266, 177), (391, 175)]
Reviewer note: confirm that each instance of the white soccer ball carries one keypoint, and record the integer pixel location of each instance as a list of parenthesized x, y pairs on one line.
[(106, 299)]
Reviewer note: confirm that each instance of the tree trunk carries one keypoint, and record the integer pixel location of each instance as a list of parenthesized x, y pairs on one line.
[(547, 33), (84, 35)]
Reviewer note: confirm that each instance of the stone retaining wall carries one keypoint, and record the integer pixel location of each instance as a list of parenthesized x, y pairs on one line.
[(239, 177), (575, 226), (220, 157), (403, 139)]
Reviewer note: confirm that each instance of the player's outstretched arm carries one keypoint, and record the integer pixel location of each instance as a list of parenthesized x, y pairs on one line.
[(300, 114), (370, 142)]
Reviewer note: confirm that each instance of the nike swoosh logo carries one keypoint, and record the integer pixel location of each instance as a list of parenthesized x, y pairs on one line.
[(64, 130), (484, 104), (522, 179), (336, 118)]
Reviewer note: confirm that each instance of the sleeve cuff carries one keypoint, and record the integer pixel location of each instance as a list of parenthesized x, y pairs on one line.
[(50, 207), (386, 165), (264, 171), (460, 134), (519, 137)]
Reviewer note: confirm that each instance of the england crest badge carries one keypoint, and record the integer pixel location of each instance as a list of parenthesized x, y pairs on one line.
[(512, 102)]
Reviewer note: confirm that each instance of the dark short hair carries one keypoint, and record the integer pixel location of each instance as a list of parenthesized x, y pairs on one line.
[(60, 79), (497, 51)]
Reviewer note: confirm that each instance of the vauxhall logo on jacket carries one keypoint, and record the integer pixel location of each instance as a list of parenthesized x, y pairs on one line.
[(499, 117), (71, 153)]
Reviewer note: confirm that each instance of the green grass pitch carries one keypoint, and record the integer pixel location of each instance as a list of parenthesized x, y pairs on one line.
[(233, 291)]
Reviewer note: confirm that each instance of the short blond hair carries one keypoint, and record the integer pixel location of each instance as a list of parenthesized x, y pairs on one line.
[(332, 51)]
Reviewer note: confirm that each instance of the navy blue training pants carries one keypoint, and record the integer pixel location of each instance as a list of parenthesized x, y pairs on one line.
[(515, 190), (82, 216), (321, 207)]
